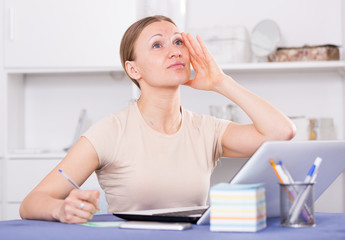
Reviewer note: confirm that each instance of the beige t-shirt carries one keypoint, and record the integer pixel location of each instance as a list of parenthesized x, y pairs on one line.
[(141, 168)]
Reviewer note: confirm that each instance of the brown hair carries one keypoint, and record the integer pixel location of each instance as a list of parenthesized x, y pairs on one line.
[(127, 52)]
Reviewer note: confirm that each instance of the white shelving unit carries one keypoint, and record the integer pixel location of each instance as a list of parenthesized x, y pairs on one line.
[(15, 79), (47, 160), (114, 69), (239, 67), (286, 66), (43, 43)]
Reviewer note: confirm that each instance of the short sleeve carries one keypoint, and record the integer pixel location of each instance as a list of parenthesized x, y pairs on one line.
[(104, 136), (220, 126), (211, 130)]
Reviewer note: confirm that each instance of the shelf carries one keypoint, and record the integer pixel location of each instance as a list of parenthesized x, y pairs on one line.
[(275, 66), (30, 155), (62, 70), (238, 67)]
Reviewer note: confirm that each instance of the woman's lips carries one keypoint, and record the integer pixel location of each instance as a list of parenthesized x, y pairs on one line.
[(177, 65)]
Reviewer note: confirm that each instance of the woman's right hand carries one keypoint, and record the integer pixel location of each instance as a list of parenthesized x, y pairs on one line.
[(79, 206), (208, 75), (54, 198)]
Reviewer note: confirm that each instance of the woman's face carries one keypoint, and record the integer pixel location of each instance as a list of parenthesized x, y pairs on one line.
[(161, 58)]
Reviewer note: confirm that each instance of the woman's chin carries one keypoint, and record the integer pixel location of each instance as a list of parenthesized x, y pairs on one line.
[(183, 80)]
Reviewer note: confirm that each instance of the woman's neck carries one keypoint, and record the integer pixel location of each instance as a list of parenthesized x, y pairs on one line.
[(161, 110)]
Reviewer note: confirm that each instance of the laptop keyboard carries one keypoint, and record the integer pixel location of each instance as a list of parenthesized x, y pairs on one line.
[(182, 213)]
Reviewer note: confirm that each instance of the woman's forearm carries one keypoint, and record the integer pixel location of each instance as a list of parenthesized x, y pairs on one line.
[(39, 205), (267, 119)]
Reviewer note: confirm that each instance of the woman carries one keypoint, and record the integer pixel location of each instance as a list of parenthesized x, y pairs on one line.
[(154, 153)]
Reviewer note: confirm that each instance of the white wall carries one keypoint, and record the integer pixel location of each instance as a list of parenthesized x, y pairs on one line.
[(300, 21), (64, 96)]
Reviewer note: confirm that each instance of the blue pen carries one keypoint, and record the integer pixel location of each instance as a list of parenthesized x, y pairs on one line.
[(73, 183), (313, 170), (69, 180), (310, 174)]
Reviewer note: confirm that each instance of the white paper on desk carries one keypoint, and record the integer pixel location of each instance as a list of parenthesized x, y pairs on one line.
[(102, 224), (155, 225)]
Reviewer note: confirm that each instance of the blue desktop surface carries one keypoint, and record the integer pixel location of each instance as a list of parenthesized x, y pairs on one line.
[(328, 226)]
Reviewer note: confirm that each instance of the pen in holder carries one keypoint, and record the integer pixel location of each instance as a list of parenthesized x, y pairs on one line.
[(300, 211)]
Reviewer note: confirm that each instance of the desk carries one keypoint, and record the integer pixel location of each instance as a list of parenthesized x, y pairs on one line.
[(329, 226)]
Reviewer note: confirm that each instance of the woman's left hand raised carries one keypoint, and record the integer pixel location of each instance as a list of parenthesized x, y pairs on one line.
[(208, 75)]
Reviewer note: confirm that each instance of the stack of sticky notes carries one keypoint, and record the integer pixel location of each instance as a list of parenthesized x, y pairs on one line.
[(237, 207)]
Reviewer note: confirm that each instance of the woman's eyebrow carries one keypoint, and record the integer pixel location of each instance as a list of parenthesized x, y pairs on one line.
[(161, 35), (156, 35)]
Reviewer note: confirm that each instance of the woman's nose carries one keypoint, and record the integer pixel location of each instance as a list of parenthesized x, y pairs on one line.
[(175, 51)]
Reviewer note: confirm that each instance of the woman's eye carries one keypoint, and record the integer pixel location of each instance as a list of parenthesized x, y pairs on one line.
[(157, 45), (178, 42)]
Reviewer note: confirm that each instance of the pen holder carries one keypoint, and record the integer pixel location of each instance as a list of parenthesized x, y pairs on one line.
[(297, 205)]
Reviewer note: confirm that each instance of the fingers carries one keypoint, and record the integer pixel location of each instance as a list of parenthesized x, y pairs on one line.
[(91, 196), (198, 51), (80, 209), (188, 44), (195, 51), (207, 72), (79, 206), (193, 48), (203, 47)]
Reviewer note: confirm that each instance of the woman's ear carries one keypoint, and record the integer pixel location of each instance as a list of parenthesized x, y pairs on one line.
[(132, 70)]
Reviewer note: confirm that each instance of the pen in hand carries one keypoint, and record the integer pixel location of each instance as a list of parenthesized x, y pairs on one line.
[(72, 183)]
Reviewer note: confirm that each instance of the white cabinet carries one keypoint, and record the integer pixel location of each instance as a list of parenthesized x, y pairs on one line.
[(61, 56), (2, 115), (23, 174), (65, 33), (43, 108), (11, 211), (2, 172)]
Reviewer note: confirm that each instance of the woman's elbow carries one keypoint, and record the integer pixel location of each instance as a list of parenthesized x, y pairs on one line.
[(22, 212), (288, 132), (24, 209)]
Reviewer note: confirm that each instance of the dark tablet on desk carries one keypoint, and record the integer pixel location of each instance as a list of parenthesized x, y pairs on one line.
[(187, 214), (296, 156)]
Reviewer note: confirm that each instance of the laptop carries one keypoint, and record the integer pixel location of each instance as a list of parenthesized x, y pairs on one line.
[(296, 156)]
